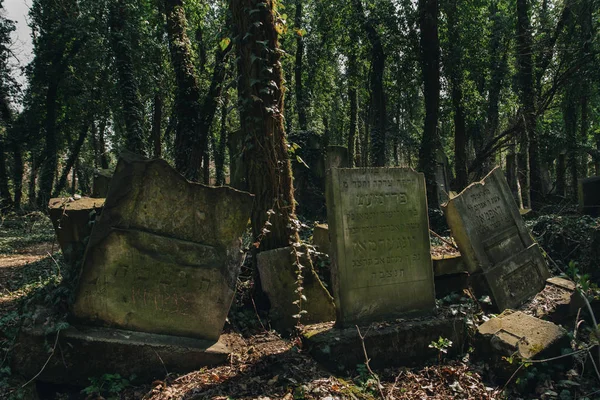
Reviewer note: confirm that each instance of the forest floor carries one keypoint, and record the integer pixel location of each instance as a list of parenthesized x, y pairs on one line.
[(263, 365)]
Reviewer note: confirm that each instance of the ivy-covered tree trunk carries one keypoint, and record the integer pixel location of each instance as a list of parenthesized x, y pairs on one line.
[(430, 66), (5, 197), (378, 115), (260, 91), (222, 144), (353, 98), (128, 86), (189, 142), (298, 69)]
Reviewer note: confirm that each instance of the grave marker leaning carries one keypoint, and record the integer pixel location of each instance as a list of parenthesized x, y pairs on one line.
[(381, 264), (494, 242)]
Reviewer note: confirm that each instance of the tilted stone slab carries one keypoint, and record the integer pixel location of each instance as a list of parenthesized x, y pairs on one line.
[(278, 279), (381, 262), (493, 240), (71, 220), (164, 257)]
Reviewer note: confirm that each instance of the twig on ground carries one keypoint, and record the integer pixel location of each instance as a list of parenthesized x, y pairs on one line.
[(443, 240), (46, 363), (256, 312), (367, 362), (162, 362)]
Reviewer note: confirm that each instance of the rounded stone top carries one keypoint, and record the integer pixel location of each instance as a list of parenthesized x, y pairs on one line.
[(70, 203)]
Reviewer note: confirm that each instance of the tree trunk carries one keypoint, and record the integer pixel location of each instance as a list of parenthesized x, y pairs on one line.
[(220, 147), (353, 97), (561, 175), (532, 192), (378, 117), (300, 100), (17, 173), (454, 68), (35, 165), (157, 126), (60, 185), (260, 91), (50, 155), (570, 121), (128, 86), (430, 59), (5, 197), (511, 174)]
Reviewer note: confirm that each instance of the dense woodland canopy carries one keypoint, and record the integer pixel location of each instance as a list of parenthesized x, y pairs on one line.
[(209, 85)]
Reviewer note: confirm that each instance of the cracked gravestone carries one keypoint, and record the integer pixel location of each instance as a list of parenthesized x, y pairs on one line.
[(164, 257), (494, 242), (381, 263)]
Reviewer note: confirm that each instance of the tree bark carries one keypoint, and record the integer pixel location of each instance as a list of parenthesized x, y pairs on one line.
[(6, 117), (62, 181), (220, 147), (189, 142), (128, 85), (430, 59), (455, 73), (531, 173), (353, 97), (260, 91), (561, 175), (50, 156), (18, 170), (378, 116), (570, 121), (298, 70), (157, 126)]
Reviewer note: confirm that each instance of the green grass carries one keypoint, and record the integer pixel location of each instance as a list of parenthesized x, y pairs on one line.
[(18, 232)]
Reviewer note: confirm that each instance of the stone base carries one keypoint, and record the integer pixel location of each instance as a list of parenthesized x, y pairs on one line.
[(87, 352), (400, 343)]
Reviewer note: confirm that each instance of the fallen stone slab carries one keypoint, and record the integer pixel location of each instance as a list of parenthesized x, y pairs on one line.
[(518, 336), (84, 352), (278, 279), (72, 220), (403, 342), (559, 302)]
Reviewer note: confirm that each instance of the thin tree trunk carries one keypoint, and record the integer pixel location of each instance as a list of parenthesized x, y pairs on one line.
[(128, 86), (220, 147), (18, 170), (454, 67), (430, 56), (378, 116), (102, 144), (511, 174), (50, 156), (561, 175), (532, 191), (353, 97), (62, 181), (298, 70), (157, 126), (260, 91), (31, 193), (570, 120), (5, 197)]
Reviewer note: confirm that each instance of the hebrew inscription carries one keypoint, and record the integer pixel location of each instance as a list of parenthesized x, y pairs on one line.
[(381, 240)]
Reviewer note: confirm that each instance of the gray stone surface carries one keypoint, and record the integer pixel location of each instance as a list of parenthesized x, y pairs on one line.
[(101, 182), (494, 242), (381, 263), (72, 223), (165, 254), (278, 279), (519, 334), (321, 238), (85, 352), (400, 343)]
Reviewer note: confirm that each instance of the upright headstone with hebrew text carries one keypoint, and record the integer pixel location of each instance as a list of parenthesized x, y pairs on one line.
[(381, 264), (493, 240), (164, 256)]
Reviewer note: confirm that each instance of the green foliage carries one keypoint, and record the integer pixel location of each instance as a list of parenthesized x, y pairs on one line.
[(108, 385)]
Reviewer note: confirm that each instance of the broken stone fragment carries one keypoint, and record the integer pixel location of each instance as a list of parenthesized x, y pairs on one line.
[(73, 220), (516, 334), (278, 279)]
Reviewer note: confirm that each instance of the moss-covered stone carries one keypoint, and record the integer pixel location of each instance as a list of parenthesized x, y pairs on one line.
[(72, 220), (278, 279), (165, 254)]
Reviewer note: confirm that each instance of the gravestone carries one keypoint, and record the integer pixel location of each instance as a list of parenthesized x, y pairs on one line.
[(101, 182), (278, 279), (164, 256), (72, 221), (381, 263), (589, 196), (495, 244)]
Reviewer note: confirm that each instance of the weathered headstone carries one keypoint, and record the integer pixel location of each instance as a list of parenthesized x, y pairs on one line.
[(492, 239), (307, 167), (101, 182), (589, 196), (278, 280), (72, 223), (381, 262), (321, 238), (165, 255), (337, 157)]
